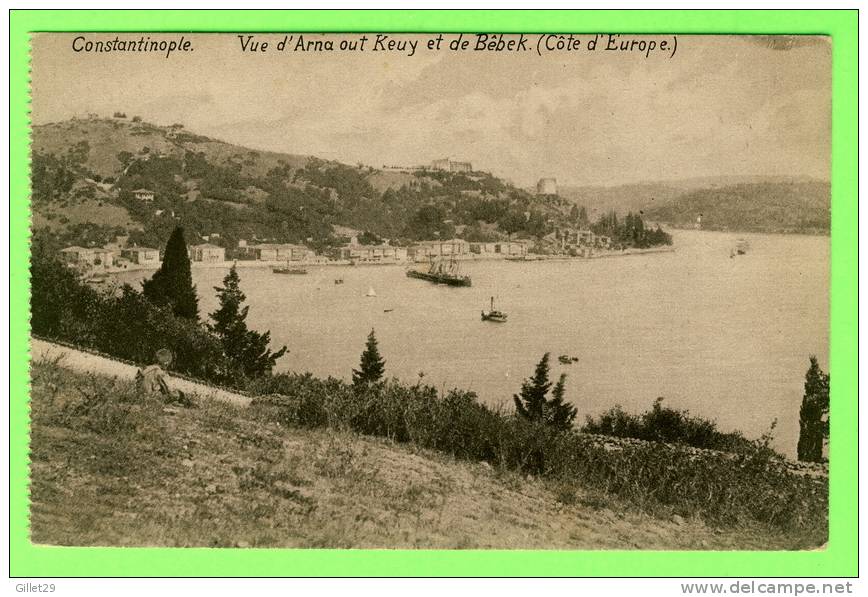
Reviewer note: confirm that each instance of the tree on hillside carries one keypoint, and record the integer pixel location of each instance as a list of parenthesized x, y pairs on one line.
[(246, 349), (814, 414), (372, 365), (172, 284), (533, 404), (530, 403), (558, 413)]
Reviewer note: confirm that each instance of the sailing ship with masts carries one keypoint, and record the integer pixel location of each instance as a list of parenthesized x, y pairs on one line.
[(442, 271)]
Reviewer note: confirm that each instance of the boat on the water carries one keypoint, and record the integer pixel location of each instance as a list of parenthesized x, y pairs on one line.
[(567, 360), (441, 272), (371, 292), (289, 269), (741, 246), (339, 281), (493, 314)]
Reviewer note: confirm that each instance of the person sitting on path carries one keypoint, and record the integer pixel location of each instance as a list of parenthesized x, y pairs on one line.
[(153, 380)]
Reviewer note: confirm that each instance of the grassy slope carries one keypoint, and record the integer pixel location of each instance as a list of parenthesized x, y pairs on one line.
[(109, 468)]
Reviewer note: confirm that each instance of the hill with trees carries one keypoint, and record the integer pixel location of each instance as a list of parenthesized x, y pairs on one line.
[(795, 207), (216, 188)]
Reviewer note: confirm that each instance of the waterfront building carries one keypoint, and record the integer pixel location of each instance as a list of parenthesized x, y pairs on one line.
[(87, 257), (207, 253), (429, 249), (278, 252), (485, 249), (572, 238), (515, 248), (383, 253), (141, 255)]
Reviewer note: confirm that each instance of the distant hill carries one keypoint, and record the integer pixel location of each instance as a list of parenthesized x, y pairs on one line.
[(748, 203), (800, 207)]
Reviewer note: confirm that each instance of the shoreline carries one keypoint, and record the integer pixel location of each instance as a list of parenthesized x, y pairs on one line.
[(251, 264)]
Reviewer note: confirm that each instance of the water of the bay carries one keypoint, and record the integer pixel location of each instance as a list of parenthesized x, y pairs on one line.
[(727, 338)]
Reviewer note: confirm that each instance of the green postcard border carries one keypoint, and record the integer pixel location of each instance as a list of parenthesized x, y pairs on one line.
[(838, 559)]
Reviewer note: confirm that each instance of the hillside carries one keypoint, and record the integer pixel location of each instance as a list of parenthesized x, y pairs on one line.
[(106, 138), (212, 187), (110, 467), (796, 207)]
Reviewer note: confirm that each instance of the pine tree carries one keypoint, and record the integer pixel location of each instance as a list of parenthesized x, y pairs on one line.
[(531, 402), (813, 415), (558, 413), (247, 349), (172, 284), (372, 365)]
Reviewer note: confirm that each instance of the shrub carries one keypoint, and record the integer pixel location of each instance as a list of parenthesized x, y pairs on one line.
[(664, 424)]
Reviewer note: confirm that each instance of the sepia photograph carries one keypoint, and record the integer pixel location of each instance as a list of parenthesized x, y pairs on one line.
[(434, 291)]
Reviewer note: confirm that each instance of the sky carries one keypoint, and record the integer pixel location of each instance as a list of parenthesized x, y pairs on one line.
[(721, 106)]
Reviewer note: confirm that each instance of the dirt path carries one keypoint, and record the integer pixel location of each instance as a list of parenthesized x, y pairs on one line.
[(85, 362)]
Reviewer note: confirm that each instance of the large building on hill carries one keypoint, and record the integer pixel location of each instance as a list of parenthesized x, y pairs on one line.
[(144, 194), (448, 165)]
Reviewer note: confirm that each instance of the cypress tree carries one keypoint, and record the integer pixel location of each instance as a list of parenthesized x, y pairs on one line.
[(533, 404), (372, 365), (560, 414), (531, 401), (247, 349), (172, 284), (813, 415)]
